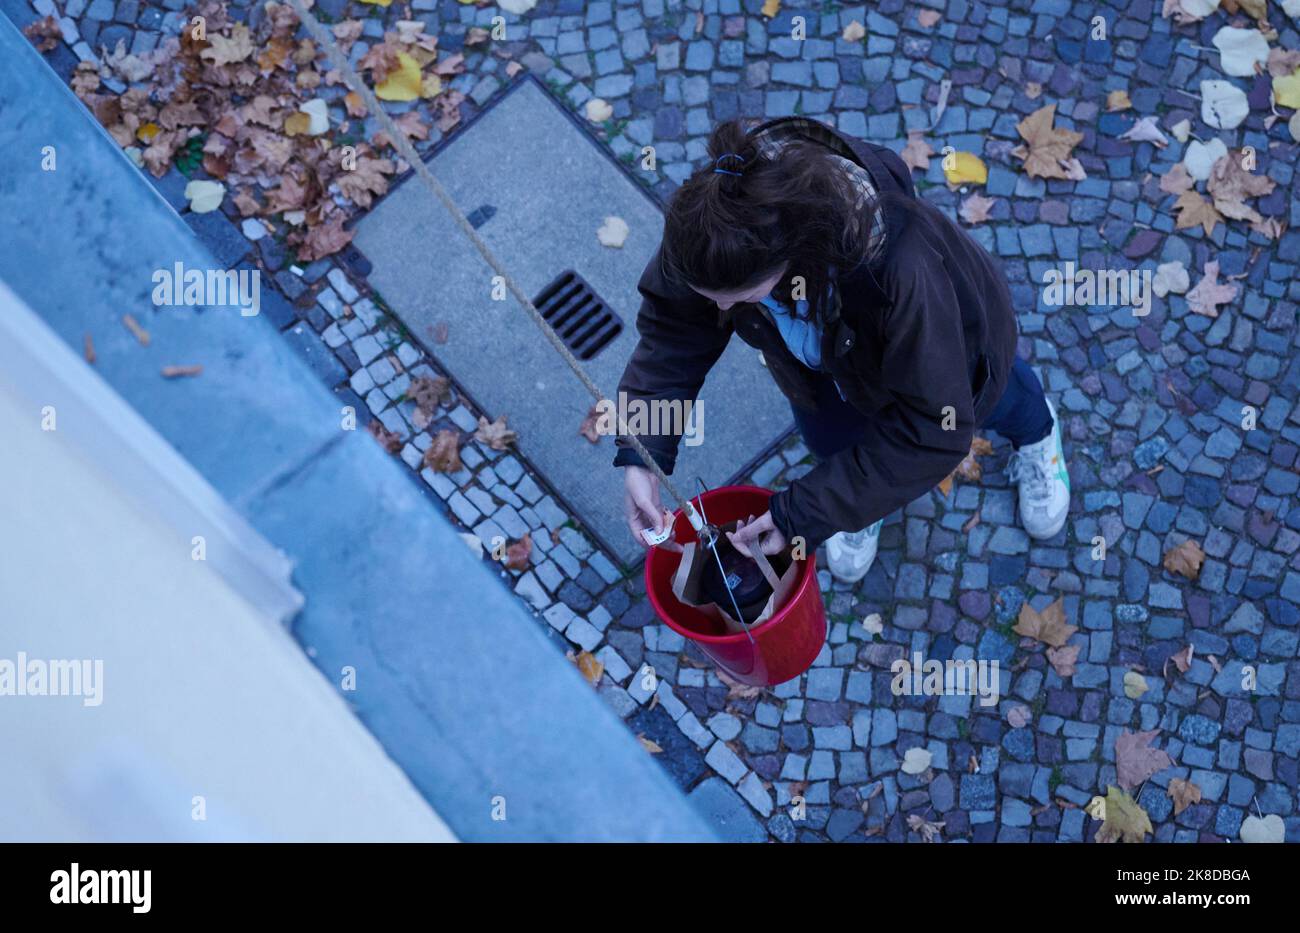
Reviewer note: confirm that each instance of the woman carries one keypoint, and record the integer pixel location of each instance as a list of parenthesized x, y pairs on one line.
[(887, 327)]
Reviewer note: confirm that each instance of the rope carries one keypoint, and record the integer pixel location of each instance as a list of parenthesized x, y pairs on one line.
[(325, 40)]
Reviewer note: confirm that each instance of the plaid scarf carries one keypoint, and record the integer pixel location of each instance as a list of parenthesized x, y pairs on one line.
[(771, 138)]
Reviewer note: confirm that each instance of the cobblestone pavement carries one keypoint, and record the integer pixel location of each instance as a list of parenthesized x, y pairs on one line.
[(1152, 409)]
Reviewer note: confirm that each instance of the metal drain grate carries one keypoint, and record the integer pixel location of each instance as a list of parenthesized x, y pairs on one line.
[(578, 314)]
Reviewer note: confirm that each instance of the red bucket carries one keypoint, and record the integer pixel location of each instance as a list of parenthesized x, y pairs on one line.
[(784, 646)]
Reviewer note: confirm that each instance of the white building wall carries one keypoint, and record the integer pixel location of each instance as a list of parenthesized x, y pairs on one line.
[(204, 694)]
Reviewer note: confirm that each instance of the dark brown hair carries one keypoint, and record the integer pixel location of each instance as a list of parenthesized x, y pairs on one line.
[(728, 230)]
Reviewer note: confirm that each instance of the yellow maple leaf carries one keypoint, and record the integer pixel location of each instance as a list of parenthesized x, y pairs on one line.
[(965, 168), (430, 86), (403, 83), (1125, 820), (297, 124), (1286, 90), (771, 8)]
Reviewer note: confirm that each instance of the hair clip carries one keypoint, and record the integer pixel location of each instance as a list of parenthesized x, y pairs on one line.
[(718, 170)]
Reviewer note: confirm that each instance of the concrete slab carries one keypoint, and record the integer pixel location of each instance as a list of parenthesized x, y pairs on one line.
[(544, 188), (727, 811)]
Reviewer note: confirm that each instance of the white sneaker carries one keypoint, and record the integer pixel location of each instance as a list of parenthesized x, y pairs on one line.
[(1044, 481), (850, 553)]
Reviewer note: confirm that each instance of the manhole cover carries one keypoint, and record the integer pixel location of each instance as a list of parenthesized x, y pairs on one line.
[(537, 188)]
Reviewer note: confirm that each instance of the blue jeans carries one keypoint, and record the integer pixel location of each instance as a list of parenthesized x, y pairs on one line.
[(1021, 415)]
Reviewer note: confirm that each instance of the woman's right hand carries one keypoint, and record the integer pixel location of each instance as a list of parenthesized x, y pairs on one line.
[(642, 506)]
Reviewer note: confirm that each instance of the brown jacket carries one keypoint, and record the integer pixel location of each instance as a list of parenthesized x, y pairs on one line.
[(926, 325)]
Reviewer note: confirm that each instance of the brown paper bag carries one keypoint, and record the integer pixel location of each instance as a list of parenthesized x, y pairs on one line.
[(781, 571)]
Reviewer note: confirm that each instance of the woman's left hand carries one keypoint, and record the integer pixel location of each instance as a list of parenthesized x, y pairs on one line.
[(760, 530)]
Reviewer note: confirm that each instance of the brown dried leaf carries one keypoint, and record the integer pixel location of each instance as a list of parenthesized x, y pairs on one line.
[(1185, 560), (649, 744), (736, 690), (429, 392), (1136, 760), (1183, 793), (45, 33), (86, 80), (1269, 227), (1230, 185), (1183, 659), (388, 440), (588, 427), (1118, 100), (381, 59), (1176, 180), (969, 468), (365, 182), (446, 107), (592, 668), (443, 455), (1046, 146), (354, 104), (411, 125), (275, 54), (1063, 659), (1208, 294), (916, 154), (247, 203), (1282, 63), (495, 434), (1048, 626), (928, 831), (451, 65), (520, 553), (227, 50), (290, 195), (347, 31), (1194, 210), (325, 240), (158, 155), (975, 209)]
